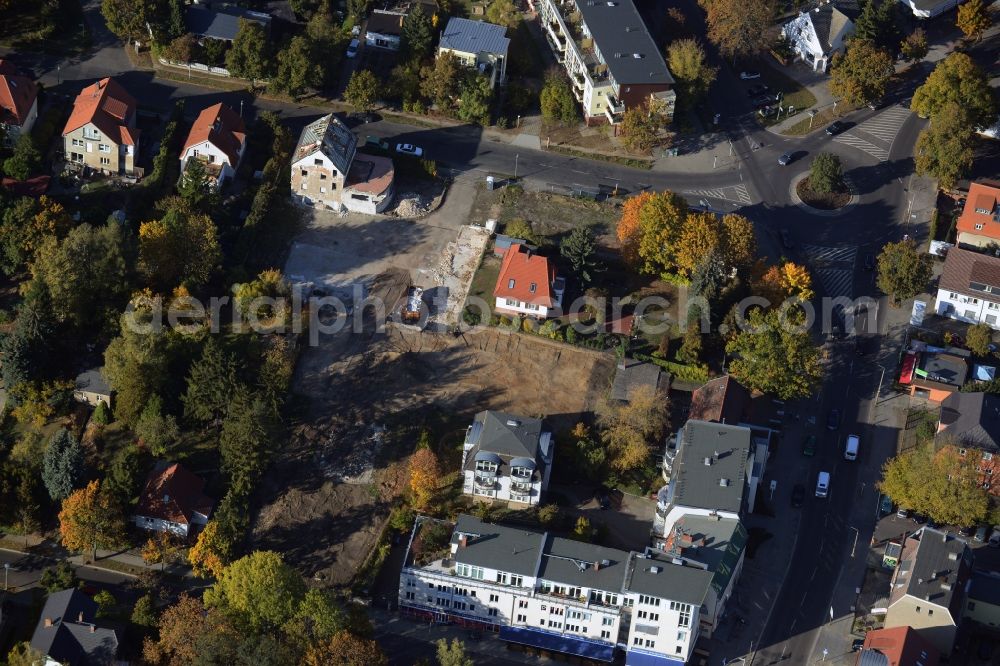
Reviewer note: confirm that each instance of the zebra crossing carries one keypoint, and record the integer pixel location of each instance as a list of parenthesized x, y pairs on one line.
[(832, 268), (881, 154), (733, 193), (884, 127)]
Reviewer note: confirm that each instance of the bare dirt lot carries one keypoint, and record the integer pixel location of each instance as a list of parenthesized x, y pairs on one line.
[(326, 527)]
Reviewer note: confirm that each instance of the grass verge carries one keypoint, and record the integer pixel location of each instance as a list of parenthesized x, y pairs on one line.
[(822, 118), (794, 93), (633, 162)]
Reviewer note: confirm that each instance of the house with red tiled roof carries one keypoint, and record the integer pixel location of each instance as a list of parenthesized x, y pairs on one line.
[(101, 132), (18, 102), (528, 285), (173, 500), (218, 139), (898, 646), (979, 224), (721, 400)]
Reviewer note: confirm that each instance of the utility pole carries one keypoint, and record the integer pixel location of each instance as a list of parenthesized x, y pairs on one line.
[(516, 155)]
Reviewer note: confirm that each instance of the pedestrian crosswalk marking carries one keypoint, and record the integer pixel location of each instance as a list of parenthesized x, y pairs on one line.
[(818, 254), (886, 125), (880, 154), (836, 282), (734, 193)]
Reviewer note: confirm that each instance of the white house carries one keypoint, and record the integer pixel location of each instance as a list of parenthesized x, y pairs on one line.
[(565, 596), (507, 457), (218, 139), (18, 102), (384, 30), (929, 8), (969, 288), (477, 44), (172, 501), (818, 34), (528, 285)]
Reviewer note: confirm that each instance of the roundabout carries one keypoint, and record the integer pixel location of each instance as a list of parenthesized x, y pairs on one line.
[(824, 204)]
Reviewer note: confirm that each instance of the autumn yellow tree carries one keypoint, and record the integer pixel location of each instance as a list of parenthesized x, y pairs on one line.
[(345, 649), (739, 241), (629, 229), (777, 283), (629, 428), (182, 247), (425, 476), (700, 237), (210, 553), (973, 18), (90, 519), (661, 220), (159, 549), (797, 281)]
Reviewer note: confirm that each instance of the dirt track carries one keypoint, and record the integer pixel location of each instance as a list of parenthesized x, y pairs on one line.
[(352, 381)]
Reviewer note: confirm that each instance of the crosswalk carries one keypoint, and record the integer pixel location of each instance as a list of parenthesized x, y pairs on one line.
[(832, 268), (881, 154), (882, 128), (733, 193)]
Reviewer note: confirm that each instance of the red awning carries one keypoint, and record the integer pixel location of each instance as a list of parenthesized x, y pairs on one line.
[(909, 365)]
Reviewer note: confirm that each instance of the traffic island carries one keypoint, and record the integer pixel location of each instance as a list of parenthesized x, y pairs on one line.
[(822, 203)]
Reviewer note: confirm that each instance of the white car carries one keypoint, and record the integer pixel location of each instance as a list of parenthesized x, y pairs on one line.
[(352, 48), (749, 75), (409, 149)]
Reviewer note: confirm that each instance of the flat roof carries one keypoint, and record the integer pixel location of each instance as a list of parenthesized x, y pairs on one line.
[(713, 466), (628, 49)]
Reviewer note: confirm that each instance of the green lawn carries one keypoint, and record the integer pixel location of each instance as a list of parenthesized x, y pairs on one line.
[(794, 93), (485, 280), (822, 119), (52, 26)]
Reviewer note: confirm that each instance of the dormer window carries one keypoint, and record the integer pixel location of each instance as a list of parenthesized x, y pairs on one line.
[(510, 283), (983, 211), (532, 287), (318, 162)]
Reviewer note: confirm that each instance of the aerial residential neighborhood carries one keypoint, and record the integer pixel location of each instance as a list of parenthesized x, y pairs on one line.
[(498, 332)]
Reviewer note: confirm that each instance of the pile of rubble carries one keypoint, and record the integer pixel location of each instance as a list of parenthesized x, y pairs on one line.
[(411, 204)]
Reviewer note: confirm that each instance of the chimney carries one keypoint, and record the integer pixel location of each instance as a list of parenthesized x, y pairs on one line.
[(79, 618), (708, 461), (93, 628), (463, 541), (597, 566), (48, 622)]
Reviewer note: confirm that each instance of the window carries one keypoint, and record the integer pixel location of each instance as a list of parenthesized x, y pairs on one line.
[(605, 598), (492, 612), (322, 189), (304, 186), (469, 572), (522, 618), (930, 612), (682, 635), (494, 598), (637, 641), (649, 601), (77, 142), (322, 176), (532, 287), (608, 621), (305, 174), (516, 581), (91, 133), (972, 605), (677, 650), (360, 197), (105, 160), (510, 283), (459, 605), (511, 302), (918, 609), (211, 159), (318, 161), (605, 633), (522, 603), (409, 597), (488, 466), (979, 227), (650, 643), (472, 607)]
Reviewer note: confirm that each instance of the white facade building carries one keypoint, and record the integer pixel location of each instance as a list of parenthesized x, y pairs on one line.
[(969, 288), (506, 457), (528, 285), (817, 35), (567, 596), (218, 139)]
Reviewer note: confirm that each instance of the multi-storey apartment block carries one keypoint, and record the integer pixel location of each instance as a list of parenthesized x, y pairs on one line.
[(506, 457), (569, 597), (612, 61), (101, 131)]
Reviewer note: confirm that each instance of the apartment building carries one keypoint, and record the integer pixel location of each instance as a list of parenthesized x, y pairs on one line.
[(507, 457), (101, 132), (612, 61), (569, 597), (969, 287)]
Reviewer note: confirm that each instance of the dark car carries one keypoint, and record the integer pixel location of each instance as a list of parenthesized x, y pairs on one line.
[(809, 445), (760, 101), (870, 262), (749, 75), (857, 644), (885, 505), (759, 89), (798, 495), (833, 419), (786, 159), (836, 127)]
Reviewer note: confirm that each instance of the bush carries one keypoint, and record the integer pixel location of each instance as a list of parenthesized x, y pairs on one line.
[(471, 317), (571, 335), (515, 323), (549, 329), (494, 320), (102, 415), (59, 577), (528, 325), (505, 321), (401, 519), (826, 174), (933, 229)]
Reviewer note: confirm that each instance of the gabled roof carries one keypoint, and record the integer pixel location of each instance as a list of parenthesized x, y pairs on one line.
[(722, 400), (632, 374), (511, 549), (526, 277), (106, 105), (971, 419), (620, 34), (174, 494), (933, 567), (829, 19), (331, 137), (72, 637), (17, 95), (474, 37), (220, 126), (963, 267), (505, 434), (92, 381), (897, 646), (222, 23), (385, 23), (982, 197)]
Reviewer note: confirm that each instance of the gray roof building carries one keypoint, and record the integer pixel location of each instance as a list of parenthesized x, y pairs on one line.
[(716, 542), (658, 574), (330, 136), (972, 420), (222, 22), (712, 471), (934, 566), (92, 381), (474, 37), (829, 19), (511, 549), (632, 374), (505, 437), (584, 564), (985, 586), (628, 49), (66, 631)]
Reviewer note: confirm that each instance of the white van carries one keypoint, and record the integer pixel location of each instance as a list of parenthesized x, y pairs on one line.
[(851, 447), (823, 484)]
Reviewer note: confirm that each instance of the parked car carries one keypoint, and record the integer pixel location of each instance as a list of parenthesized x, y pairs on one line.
[(833, 419), (870, 262), (885, 505), (836, 127), (903, 513), (749, 75), (798, 495), (994, 541), (409, 149), (761, 101), (352, 48), (786, 159), (857, 644), (602, 497), (809, 445), (759, 89)]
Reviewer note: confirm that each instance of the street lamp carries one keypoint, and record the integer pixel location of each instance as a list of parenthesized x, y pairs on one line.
[(6, 571)]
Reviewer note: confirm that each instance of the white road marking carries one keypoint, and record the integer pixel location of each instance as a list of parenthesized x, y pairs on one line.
[(880, 154)]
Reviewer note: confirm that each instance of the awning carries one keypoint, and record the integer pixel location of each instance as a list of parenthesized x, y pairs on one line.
[(558, 643), (636, 658), (488, 456), (909, 364), (526, 463)]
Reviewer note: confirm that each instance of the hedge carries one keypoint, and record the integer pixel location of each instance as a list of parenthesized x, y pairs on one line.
[(685, 373)]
